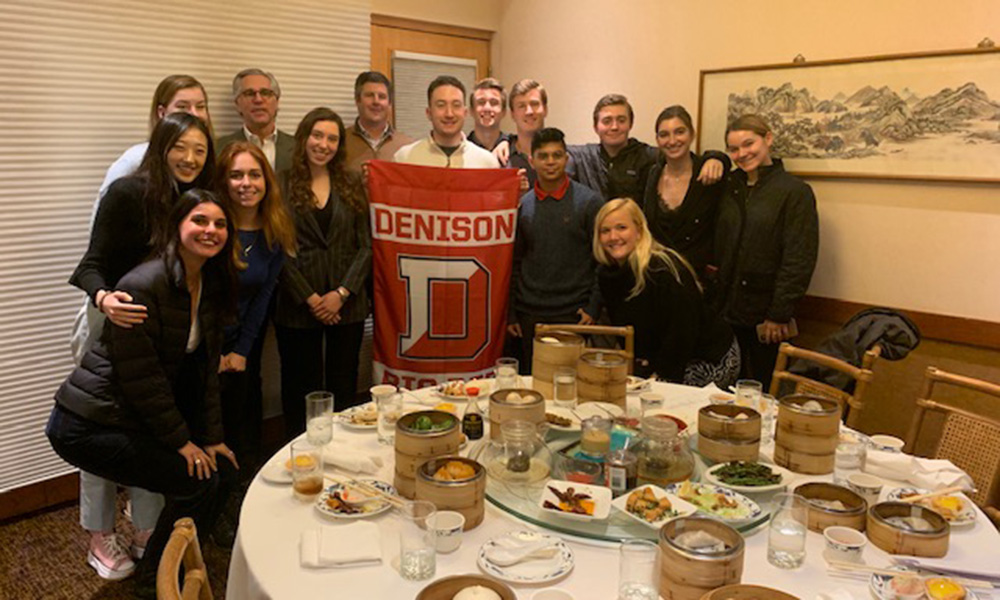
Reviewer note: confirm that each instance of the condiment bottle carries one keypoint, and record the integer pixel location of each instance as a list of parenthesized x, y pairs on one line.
[(595, 440), (621, 469), (472, 420)]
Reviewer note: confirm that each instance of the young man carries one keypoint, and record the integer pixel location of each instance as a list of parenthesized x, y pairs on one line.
[(529, 105), (446, 145), (372, 135), (488, 102), (619, 165), (554, 278), (256, 94)]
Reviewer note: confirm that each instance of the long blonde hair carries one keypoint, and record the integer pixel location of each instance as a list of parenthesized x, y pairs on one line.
[(646, 248)]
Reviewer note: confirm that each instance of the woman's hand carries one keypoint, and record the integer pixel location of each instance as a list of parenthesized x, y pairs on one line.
[(330, 305), (119, 309), (232, 362), (217, 450), (199, 463), (585, 319), (773, 333), (711, 171), (317, 309)]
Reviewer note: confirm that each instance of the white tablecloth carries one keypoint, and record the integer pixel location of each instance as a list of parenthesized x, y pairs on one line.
[(265, 559)]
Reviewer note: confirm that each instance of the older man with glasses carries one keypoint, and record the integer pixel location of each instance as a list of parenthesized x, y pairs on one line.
[(256, 94)]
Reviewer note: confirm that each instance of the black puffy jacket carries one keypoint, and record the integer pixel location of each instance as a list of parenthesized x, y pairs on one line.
[(129, 377)]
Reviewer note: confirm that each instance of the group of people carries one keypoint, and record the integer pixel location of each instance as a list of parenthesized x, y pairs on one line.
[(197, 242)]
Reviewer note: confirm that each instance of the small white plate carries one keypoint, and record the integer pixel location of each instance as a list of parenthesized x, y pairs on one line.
[(485, 387), (965, 517), (550, 407), (878, 584), (529, 571), (747, 507), (786, 477), (680, 508), (600, 495), (370, 509), (275, 472), (600, 409), (636, 385), (346, 417)]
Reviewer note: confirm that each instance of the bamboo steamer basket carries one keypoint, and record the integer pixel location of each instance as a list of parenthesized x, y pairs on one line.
[(546, 357), (819, 517), (806, 441), (466, 496), (602, 376), (719, 451), (446, 587), (502, 411), (414, 448), (716, 427), (687, 575), (747, 592), (897, 540)]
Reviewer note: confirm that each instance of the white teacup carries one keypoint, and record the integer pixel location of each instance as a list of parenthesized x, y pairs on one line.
[(844, 544), (867, 486), (887, 443), (447, 526)]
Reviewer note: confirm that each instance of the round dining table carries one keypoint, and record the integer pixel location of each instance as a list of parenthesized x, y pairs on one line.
[(265, 560)]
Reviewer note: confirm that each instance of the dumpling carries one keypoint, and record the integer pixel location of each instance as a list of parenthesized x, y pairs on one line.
[(811, 406), (700, 541), (476, 592)]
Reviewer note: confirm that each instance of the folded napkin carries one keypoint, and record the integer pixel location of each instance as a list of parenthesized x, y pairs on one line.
[(927, 473), (508, 550), (342, 457), (351, 545)]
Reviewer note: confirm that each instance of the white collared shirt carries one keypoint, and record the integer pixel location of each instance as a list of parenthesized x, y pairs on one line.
[(268, 144)]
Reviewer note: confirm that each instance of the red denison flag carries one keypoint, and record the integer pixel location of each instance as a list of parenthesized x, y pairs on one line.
[(442, 245)]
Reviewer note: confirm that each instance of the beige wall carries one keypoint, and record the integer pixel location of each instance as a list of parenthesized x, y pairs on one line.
[(934, 248), (480, 14)]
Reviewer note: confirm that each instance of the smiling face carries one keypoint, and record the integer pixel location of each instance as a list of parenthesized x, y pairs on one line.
[(245, 177), (203, 232), (447, 114), (373, 105), (187, 156), (613, 126), (323, 142), (549, 162), (528, 112), (189, 100), (487, 104), (618, 235), (673, 136), (749, 150), (257, 103)]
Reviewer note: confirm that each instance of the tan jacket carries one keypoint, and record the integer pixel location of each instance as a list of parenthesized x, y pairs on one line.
[(358, 150)]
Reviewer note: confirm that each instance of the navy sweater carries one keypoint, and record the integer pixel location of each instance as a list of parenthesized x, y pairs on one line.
[(256, 286)]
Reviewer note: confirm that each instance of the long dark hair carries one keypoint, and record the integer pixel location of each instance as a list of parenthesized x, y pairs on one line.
[(221, 268), (347, 185), (161, 189)]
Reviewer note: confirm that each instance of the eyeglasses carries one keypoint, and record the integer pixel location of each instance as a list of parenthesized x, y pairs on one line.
[(265, 93)]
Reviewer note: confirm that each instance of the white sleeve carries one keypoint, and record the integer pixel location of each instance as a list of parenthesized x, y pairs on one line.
[(125, 165)]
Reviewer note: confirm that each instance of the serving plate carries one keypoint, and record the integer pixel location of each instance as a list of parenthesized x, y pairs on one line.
[(636, 385), (276, 472), (680, 507), (746, 508), (532, 571), (878, 584), (966, 515), (600, 495), (370, 509), (347, 417), (786, 477)]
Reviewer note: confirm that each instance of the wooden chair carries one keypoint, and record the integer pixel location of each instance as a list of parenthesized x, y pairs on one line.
[(969, 440), (803, 385), (627, 333), (182, 548)]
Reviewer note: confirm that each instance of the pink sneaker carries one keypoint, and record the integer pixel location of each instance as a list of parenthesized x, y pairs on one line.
[(139, 542), (108, 557)]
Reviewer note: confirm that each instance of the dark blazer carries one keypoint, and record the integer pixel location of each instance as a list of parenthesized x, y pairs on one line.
[(283, 148), (326, 260), (129, 378)]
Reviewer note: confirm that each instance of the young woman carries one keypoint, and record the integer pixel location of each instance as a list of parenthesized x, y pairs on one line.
[(323, 292), (142, 409), (654, 289), (265, 235), (680, 207), (767, 239), (179, 156)]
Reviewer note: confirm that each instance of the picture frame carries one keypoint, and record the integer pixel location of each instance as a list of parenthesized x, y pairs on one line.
[(931, 116)]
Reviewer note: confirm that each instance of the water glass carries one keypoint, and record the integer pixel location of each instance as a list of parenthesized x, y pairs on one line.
[(319, 418), (786, 539), (564, 387), (417, 541), (638, 570), (506, 374), (748, 392), (306, 466), (389, 404), (649, 401), (850, 459), (768, 409)]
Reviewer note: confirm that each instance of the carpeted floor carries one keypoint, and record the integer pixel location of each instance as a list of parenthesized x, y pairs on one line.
[(43, 556)]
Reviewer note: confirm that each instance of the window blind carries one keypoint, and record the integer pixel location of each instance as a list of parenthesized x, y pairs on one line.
[(411, 74), (76, 79)]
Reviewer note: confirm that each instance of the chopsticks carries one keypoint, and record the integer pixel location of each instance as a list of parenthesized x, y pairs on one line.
[(367, 489), (843, 568), (942, 492)]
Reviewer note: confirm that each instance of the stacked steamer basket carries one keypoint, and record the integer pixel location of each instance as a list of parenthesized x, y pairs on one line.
[(820, 514), (515, 405), (464, 495), (895, 538), (552, 349), (414, 447), (727, 432), (602, 376), (806, 440), (687, 574), (747, 592)]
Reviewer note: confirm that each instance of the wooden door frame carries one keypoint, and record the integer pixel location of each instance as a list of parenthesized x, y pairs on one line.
[(383, 63)]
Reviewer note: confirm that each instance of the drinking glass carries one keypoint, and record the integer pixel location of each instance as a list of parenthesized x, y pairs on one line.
[(319, 418), (649, 401), (564, 387), (506, 370), (417, 541), (786, 539), (307, 470), (849, 459), (768, 409), (638, 570), (748, 392), (389, 404)]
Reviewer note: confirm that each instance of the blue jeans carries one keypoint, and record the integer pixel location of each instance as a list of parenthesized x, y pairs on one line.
[(97, 504)]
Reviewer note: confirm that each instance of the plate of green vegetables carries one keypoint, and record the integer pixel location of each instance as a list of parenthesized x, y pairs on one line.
[(748, 477)]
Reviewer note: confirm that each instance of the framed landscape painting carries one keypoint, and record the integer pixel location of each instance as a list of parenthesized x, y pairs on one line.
[(931, 116)]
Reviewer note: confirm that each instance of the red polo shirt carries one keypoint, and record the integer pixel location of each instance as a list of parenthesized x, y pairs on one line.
[(559, 194)]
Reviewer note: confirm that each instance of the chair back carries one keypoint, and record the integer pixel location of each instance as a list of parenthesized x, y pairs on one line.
[(626, 332), (969, 440), (182, 549), (862, 377)]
